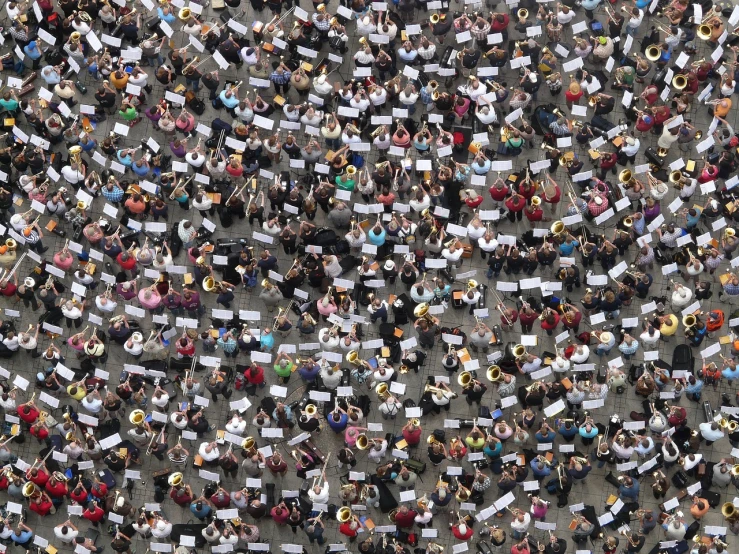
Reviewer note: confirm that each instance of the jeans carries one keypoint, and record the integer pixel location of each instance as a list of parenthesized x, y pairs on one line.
[(155, 60), (194, 83)]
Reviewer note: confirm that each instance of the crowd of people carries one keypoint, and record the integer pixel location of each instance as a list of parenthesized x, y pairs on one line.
[(417, 292)]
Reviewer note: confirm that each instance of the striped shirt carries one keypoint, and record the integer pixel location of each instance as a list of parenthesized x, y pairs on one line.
[(229, 345), (114, 195), (178, 458), (280, 78), (729, 288), (629, 349)]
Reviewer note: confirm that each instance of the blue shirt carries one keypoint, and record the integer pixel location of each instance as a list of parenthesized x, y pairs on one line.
[(492, 453), (379, 240), (309, 373), (141, 171), (539, 472), (202, 513), (126, 160), (730, 374), (566, 249), (567, 433), (696, 388), (481, 169), (631, 492), (169, 18), (280, 78), (692, 221), (23, 538), (549, 437), (34, 53), (115, 195), (338, 426), (229, 101), (407, 56), (584, 433)]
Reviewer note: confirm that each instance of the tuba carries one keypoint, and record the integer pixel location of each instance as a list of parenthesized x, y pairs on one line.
[(465, 379), (353, 358), (344, 514), (519, 351), (654, 52), (494, 374), (137, 417), (363, 443), (175, 480), (558, 228), (422, 311)]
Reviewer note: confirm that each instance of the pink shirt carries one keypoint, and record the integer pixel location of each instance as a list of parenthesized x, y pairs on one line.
[(153, 302), (79, 346), (351, 440)]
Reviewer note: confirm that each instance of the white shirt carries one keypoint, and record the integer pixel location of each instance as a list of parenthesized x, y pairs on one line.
[(108, 307), (72, 176), (321, 497), (74, 313), (565, 18), (208, 456), (236, 426), (67, 538), (135, 349), (487, 118), (161, 530), (378, 96), (198, 162)]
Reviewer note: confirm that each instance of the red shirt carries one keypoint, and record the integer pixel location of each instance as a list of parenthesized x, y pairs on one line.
[(527, 319), (78, 496), (56, 489), (99, 490), (29, 417), (608, 160), (41, 508), (574, 322), (498, 194), (676, 419), (460, 536), (550, 326), (661, 114), (94, 516), (182, 499), (128, 265), (255, 378), (220, 502), (643, 125), (527, 191), (405, 520), (536, 215), (40, 433), (515, 207), (234, 171), (472, 204), (554, 199), (4, 483), (9, 290), (497, 26), (40, 479), (344, 529), (573, 97), (412, 437), (280, 519)]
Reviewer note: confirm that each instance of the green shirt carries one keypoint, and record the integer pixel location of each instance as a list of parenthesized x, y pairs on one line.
[(344, 185), (9, 105), (284, 371), (129, 114)]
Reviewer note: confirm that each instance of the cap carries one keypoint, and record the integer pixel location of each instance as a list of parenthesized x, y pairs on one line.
[(602, 40)]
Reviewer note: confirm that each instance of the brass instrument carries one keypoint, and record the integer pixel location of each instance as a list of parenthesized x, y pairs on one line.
[(653, 52), (494, 374), (522, 13), (422, 311), (519, 351), (465, 379), (344, 514), (463, 493), (679, 81)]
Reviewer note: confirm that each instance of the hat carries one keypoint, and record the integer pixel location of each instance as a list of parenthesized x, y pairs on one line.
[(532, 77), (389, 265), (602, 40), (630, 141), (606, 337)]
